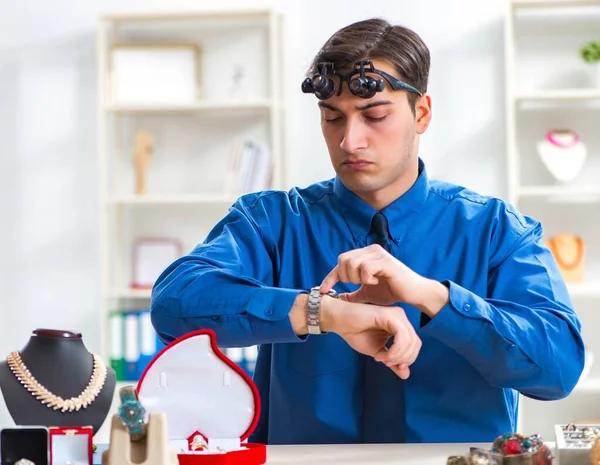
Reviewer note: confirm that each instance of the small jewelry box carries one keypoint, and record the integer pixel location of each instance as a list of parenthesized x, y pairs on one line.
[(26, 443), (71, 445)]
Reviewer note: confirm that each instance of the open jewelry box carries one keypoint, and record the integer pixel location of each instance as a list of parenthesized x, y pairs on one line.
[(24, 443), (71, 445), (211, 404), (46, 446)]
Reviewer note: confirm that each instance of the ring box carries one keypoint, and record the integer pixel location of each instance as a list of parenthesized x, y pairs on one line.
[(211, 404), (71, 445), (24, 442)]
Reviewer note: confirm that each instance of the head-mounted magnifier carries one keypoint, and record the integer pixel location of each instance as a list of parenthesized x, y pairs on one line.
[(362, 85)]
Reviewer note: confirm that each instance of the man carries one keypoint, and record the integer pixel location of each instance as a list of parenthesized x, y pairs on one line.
[(463, 283)]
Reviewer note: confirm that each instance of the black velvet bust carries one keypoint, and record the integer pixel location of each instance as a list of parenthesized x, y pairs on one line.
[(60, 362)]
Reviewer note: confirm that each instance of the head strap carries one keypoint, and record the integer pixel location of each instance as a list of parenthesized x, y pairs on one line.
[(362, 85)]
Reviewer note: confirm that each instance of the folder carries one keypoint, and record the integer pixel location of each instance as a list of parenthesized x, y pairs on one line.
[(117, 344), (149, 343), (132, 347)]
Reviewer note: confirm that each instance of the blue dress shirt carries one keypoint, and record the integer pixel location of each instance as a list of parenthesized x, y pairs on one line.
[(509, 326)]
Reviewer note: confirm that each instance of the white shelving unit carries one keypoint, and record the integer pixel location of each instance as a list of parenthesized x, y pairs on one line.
[(239, 98), (548, 86)]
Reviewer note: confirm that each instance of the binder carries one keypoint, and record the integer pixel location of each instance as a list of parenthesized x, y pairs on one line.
[(149, 343), (117, 344), (250, 356), (244, 357), (132, 347)]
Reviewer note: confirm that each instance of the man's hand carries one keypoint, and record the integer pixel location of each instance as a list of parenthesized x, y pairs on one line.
[(385, 280), (367, 328)]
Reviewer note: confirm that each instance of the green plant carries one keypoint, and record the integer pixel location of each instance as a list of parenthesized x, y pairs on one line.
[(591, 52)]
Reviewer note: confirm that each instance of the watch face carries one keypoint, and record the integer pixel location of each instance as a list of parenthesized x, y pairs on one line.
[(131, 413)]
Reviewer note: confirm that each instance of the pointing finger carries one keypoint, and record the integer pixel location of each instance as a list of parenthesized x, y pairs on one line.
[(403, 371), (330, 280)]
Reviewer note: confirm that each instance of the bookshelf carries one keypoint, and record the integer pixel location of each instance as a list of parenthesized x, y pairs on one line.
[(236, 94), (548, 86)]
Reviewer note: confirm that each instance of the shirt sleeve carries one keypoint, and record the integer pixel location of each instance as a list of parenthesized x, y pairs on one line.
[(524, 334), (226, 284)]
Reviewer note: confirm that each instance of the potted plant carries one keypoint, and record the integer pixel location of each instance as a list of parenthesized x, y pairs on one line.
[(590, 53)]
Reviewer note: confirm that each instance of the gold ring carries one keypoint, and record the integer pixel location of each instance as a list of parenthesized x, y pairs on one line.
[(199, 443)]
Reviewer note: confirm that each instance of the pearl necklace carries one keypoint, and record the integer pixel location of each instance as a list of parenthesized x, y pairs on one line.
[(51, 400)]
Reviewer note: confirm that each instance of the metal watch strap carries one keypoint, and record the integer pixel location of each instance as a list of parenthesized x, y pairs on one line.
[(314, 309)]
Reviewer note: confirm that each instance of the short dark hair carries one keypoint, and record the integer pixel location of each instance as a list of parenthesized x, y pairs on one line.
[(376, 38)]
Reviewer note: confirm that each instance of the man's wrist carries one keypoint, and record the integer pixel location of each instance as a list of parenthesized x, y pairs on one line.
[(298, 313), (435, 297), (328, 314)]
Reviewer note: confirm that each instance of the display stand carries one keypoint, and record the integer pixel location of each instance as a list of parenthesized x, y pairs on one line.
[(54, 381), (569, 252), (211, 404), (152, 450), (563, 154)]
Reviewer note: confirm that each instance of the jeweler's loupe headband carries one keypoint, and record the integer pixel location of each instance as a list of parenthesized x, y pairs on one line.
[(362, 85)]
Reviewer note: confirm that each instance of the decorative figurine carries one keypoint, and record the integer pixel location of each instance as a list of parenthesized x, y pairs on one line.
[(142, 156)]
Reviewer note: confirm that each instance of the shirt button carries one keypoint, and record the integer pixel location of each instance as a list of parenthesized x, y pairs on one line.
[(269, 311), (467, 307)]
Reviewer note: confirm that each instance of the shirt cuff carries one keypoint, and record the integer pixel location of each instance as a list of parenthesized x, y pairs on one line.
[(460, 319), (271, 307)]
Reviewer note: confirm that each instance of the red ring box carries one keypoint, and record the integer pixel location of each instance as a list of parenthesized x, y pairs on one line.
[(204, 394), (71, 445)]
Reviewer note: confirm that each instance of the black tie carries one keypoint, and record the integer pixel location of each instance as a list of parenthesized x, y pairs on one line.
[(379, 230), (383, 400)]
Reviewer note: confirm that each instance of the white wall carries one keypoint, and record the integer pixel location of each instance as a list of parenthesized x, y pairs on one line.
[(48, 185)]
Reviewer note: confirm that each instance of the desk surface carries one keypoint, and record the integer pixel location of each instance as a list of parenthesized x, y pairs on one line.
[(359, 454), (366, 454)]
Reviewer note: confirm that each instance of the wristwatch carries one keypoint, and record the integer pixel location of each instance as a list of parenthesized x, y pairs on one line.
[(132, 413), (314, 309)]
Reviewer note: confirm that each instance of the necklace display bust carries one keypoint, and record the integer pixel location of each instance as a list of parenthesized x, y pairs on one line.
[(569, 253), (563, 154), (73, 387)]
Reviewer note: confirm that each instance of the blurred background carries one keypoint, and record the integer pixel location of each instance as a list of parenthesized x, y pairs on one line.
[(127, 128)]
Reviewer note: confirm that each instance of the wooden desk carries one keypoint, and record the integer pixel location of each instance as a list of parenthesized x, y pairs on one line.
[(366, 454)]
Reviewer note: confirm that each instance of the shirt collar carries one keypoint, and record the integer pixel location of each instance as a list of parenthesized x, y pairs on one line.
[(358, 214)]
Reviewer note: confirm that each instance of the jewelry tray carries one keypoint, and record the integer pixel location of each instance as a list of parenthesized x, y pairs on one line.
[(574, 443), (206, 398)]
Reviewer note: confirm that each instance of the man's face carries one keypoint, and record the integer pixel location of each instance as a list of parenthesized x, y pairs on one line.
[(373, 143)]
